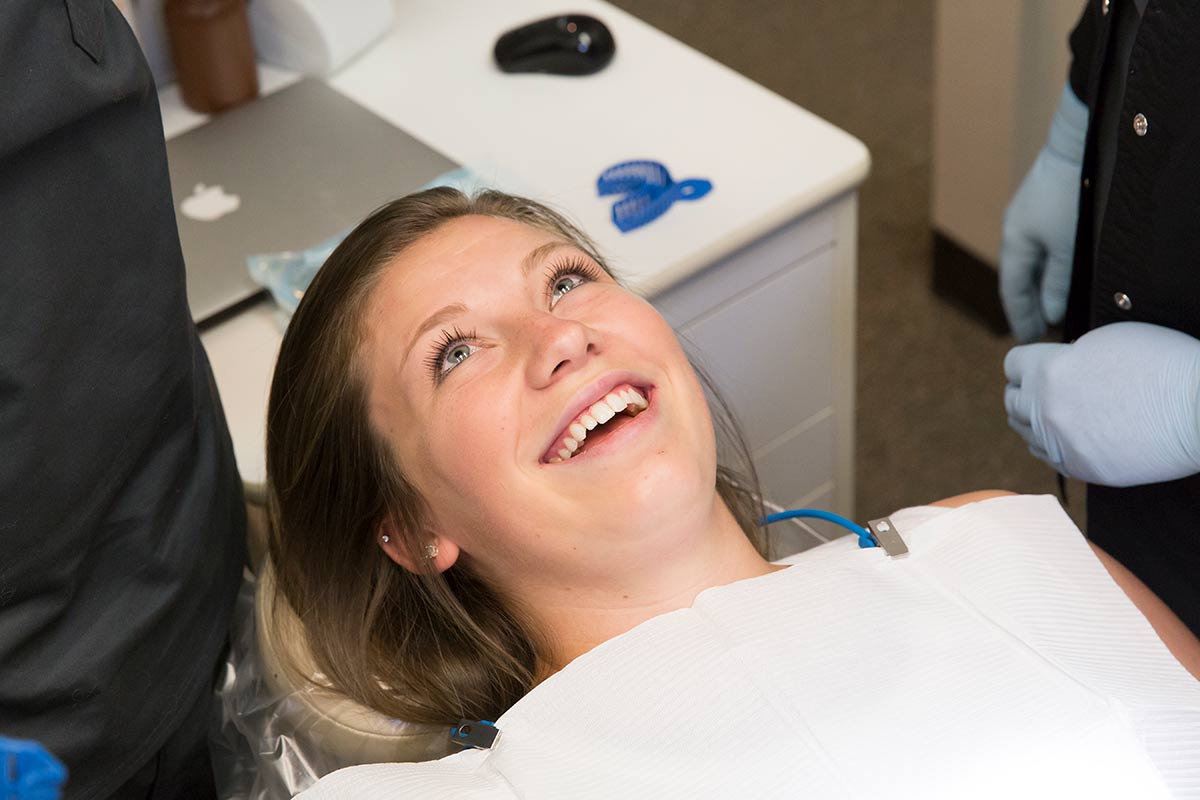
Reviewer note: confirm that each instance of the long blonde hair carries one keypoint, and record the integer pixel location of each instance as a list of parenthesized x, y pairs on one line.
[(418, 646)]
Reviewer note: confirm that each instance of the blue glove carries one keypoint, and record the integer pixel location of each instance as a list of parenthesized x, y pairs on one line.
[(1119, 407), (1038, 240), (29, 772)]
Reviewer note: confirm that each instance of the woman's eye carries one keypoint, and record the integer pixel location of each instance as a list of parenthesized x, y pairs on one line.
[(456, 355), (454, 348), (565, 284), (567, 276)]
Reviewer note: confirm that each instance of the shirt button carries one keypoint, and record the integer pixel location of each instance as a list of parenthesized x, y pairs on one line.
[(1087, 183), (1122, 300), (1141, 124)]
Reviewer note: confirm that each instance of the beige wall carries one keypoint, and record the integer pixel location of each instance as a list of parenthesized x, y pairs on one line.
[(998, 70)]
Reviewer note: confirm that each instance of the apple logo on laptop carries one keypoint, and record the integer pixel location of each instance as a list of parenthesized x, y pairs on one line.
[(209, 203)]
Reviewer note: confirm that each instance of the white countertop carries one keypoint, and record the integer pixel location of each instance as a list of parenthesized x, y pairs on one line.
[(769, 160)]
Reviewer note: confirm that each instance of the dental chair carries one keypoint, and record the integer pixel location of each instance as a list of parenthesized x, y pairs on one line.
[(279, 730)]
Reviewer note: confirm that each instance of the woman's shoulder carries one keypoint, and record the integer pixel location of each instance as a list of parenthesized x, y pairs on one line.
[(971, 497)]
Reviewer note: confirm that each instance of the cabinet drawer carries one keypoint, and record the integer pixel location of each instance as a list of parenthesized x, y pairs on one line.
[(795, 467), (770, 351), (741, 270)]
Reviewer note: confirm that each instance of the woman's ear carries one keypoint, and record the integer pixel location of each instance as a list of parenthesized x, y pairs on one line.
[(438, 552)]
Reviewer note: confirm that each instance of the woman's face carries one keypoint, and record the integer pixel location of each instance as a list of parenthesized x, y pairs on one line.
[(490, 342)]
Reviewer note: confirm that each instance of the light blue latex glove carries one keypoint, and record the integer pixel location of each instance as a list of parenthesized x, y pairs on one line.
[(1038, 239), (1119, 407)]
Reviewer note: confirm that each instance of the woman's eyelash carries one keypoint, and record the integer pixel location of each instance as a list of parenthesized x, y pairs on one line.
[(437, 358), (574, 265)]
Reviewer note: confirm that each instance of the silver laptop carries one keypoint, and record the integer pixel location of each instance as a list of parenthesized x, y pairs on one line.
[(284, 172)]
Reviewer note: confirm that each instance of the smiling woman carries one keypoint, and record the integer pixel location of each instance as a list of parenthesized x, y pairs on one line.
[(482, 451), (495, 494)]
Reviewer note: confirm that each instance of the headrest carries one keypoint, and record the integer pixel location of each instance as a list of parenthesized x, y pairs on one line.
[(342, 728)]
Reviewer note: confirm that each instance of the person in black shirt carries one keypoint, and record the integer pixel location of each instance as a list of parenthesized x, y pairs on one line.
[(1118, 405), (122, 525)]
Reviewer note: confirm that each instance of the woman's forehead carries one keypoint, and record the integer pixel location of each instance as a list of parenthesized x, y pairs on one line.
[(468, 242), (464, 258)]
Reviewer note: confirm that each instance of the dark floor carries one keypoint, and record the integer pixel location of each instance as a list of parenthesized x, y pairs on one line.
[(931, 419)]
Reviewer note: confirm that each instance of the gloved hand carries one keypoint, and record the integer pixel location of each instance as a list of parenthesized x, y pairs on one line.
[(1119, 407), (1038, 240)]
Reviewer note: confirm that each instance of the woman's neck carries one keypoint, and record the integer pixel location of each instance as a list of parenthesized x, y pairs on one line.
[(579, 621)]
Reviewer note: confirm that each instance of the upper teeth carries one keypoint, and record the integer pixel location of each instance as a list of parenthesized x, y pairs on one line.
[(622, 398)]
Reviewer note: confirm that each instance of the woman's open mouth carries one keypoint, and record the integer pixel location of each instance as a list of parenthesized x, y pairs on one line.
[(598, 422)]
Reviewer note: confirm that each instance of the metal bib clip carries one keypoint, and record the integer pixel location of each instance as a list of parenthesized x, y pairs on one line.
[(885, 535), (480, 734)]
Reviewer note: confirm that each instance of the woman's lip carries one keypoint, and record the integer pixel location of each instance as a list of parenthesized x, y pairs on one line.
[(618, 438), (589, 395)]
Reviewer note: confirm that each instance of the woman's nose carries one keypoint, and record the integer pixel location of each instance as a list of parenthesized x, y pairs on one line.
[(559, 347)]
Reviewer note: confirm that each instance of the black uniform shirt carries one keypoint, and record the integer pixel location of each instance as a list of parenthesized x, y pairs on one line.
[(1128, 16), (1137, 248), (121, 522), (1148, 247)]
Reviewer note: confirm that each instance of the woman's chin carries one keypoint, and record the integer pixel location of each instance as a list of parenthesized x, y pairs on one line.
[(666, 488)]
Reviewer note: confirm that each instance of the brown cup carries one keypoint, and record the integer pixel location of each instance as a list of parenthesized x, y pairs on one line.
[(213, 53)]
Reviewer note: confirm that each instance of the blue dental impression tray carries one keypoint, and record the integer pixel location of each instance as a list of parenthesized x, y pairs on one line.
[(649, 191)]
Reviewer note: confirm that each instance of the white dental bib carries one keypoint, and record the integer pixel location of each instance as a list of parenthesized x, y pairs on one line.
[(999, 659)]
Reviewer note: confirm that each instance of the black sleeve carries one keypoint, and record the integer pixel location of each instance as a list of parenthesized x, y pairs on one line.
[(1083, 48), (121, 523)]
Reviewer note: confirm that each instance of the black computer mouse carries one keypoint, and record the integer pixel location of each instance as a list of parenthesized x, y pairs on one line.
[(571, 44)]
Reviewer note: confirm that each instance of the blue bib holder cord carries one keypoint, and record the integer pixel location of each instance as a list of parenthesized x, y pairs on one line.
[(882, 532), (649, 191), (28, 772)]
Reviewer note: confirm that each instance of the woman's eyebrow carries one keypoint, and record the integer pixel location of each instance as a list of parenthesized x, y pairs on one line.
[(439, 317), (537, 254)]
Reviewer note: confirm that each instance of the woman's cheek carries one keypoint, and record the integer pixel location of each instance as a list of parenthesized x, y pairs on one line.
[(468, 438)]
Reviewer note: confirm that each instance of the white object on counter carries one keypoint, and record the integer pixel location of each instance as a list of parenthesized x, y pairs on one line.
[(316, 37)]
